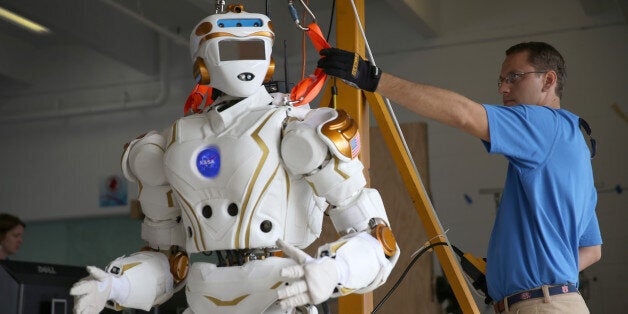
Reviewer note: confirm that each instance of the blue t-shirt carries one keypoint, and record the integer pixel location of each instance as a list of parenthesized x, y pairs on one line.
[(547, 210)]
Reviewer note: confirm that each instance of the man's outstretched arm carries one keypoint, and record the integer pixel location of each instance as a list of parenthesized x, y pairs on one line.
[(437, 104), (431, 102)]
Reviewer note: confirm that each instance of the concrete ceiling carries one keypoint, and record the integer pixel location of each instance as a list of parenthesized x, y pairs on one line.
[(100, 42)]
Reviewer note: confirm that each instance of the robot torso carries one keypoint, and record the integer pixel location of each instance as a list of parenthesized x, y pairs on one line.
[(225, 170)]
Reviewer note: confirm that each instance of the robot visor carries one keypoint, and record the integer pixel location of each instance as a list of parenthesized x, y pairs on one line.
[(233, 50)]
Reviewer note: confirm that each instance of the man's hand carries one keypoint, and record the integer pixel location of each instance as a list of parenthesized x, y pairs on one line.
[(91, 293), (315, 278), (350, 67)]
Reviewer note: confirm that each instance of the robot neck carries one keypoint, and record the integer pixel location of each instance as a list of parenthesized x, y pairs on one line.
[(226, 104)]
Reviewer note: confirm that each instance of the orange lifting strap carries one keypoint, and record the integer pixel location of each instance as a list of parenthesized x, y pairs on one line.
[(309, 87), (196, 97)]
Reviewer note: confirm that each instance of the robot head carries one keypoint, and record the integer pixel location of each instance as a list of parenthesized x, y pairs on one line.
[(232, 51)]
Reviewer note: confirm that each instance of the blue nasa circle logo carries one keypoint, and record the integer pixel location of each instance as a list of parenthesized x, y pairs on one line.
[(208, 162)]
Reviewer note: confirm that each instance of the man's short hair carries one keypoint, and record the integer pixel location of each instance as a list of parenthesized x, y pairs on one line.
[(544, 57)]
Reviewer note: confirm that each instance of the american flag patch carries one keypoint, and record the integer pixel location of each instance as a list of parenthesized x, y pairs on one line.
[(355, 145)]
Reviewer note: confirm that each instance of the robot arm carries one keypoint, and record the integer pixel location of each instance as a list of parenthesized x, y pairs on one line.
[(367, 251), (146, 278), (322, 148), (142, 162), (138, 281)]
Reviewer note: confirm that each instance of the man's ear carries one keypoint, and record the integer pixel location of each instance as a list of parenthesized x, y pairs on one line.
[(549, 80)]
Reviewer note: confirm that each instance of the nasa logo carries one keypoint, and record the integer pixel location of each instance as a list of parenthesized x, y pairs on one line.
[(208, 162)]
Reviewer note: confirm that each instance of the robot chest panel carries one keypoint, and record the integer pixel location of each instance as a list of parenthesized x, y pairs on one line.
[(231, 185), (221, 164)]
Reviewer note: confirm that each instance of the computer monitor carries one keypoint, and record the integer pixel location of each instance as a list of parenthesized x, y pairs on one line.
[(32, 288)]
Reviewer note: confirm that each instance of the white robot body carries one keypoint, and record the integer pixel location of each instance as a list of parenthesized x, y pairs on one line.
[(230, 182), (227, 171), (245, 176)]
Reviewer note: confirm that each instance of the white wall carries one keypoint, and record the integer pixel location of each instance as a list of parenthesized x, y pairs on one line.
[(50, 169)]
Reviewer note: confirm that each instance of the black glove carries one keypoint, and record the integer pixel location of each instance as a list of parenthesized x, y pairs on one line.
[(350, 67)]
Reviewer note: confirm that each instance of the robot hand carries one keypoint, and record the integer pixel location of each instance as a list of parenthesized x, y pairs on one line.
[(350, 67), (315, 278), (91, 293)]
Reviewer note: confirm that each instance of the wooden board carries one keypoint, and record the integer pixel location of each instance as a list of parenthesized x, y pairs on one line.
[(415, 294)]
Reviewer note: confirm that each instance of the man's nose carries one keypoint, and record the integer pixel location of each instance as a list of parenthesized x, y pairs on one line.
[(504, 88)]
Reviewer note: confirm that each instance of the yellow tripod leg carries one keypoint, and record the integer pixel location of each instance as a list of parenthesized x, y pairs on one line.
[(348, 37)]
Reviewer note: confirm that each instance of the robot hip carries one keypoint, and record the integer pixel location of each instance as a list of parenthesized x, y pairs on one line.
[(250, 288)]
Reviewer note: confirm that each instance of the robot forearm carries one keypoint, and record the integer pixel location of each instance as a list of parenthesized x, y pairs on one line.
[(354, 263), (141, 280), (368, 250), (361, 262)]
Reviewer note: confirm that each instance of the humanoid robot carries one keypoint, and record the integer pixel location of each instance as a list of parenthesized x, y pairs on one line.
[(248, 177)]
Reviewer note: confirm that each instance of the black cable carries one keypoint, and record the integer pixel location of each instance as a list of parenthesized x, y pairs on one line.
[(325, 307), (331, 19), (285, 66), (405, 272)]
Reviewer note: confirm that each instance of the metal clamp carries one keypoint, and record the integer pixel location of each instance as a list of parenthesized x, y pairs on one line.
[(295, 14)]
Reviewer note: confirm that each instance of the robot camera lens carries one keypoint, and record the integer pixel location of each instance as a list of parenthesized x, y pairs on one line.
[(246, 77)]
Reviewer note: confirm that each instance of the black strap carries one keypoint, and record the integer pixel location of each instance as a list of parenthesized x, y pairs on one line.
[(587, 129)]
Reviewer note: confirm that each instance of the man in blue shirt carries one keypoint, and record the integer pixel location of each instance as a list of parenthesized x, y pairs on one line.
[(546, 229)]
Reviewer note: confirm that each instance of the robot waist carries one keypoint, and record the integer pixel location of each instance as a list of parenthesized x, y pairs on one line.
[(250, 288), (226, 258)]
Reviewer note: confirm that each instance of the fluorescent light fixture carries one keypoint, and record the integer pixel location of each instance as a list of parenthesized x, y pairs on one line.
[(23, 22)]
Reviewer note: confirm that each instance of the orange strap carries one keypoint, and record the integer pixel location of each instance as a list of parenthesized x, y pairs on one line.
[(195, 99), (309, 87)]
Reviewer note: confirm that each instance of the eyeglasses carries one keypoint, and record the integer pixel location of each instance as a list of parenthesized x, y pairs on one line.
[(513, 77)]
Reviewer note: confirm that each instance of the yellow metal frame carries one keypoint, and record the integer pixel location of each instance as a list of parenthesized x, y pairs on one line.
[(348, 37)]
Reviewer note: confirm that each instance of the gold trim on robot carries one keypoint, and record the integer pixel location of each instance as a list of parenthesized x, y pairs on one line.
[(341, 131), (233, 302), (258, 169)]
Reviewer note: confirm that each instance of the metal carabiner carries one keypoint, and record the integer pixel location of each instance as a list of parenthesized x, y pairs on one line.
[(295, 14), (220, 6)]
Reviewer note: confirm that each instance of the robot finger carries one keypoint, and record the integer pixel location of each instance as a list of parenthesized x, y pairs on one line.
[(97, 273), (294, 252), (90, 310), (81, 307), (295, 271), (83, 287), (295, 289), (295, 301)]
